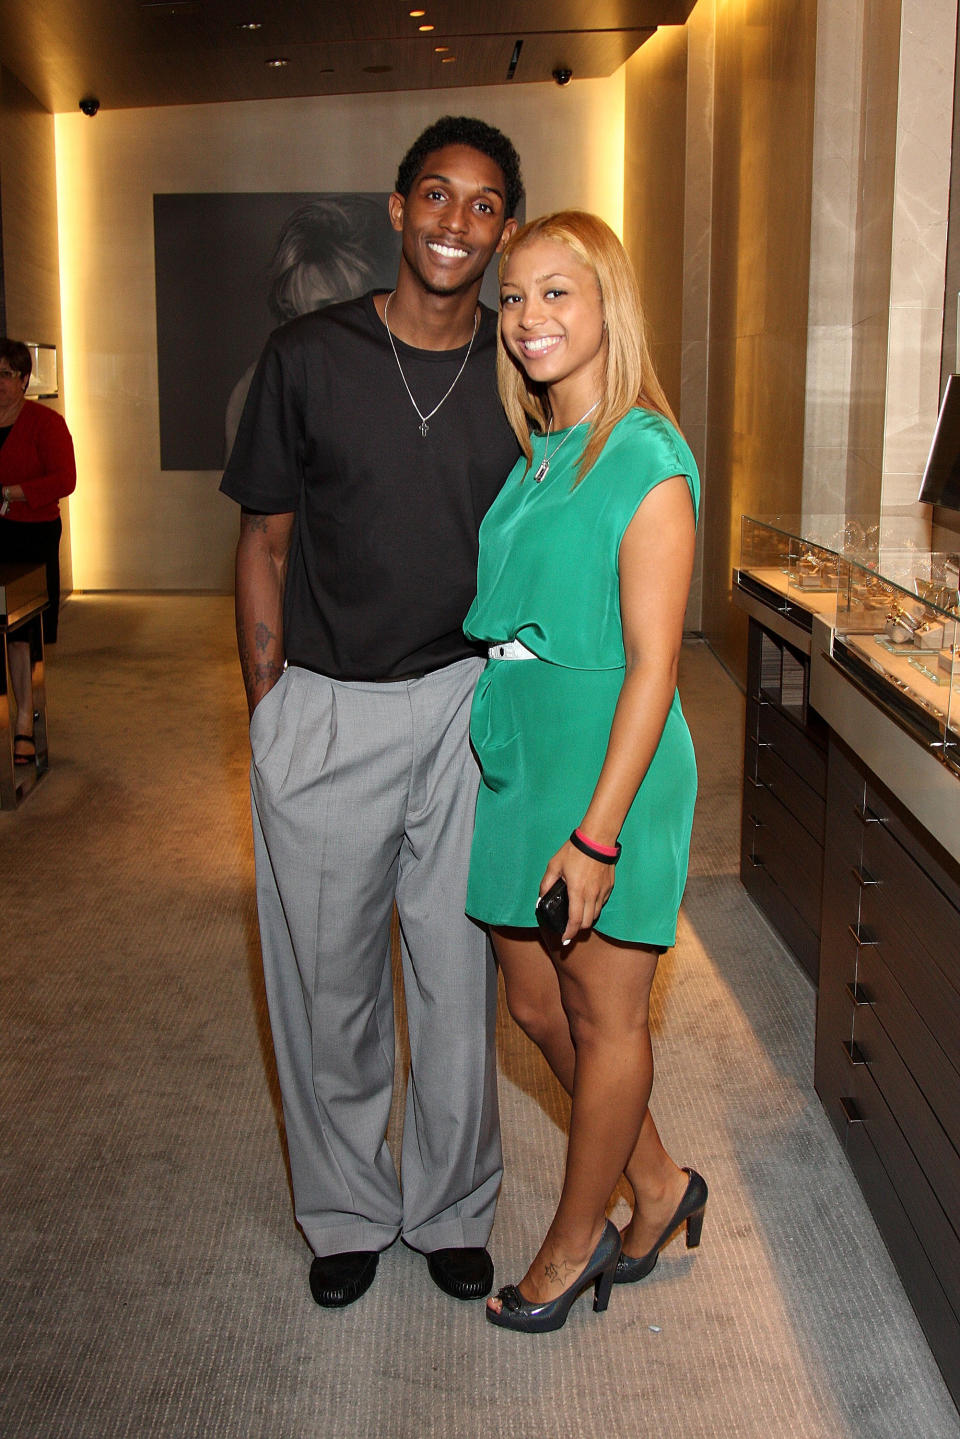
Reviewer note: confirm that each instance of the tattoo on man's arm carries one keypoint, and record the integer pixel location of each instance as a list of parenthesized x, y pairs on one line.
[(257, 671), (251, 520)]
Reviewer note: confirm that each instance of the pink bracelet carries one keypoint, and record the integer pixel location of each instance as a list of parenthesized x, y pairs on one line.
[(606, 853), (603, 848)]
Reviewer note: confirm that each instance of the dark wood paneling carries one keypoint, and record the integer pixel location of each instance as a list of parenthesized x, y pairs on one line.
[(917, 1272), (887, 1036)]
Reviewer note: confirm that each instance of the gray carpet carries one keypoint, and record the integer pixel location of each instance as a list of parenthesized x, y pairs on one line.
[(153, 1282)]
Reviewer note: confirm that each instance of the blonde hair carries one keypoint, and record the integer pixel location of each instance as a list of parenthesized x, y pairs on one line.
[(629, 378)]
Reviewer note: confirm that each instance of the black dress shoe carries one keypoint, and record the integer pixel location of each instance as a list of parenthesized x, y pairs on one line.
[(336, 1280), (462, 1273)]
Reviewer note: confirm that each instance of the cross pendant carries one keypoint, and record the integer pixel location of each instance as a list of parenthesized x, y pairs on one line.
[(424, 427)]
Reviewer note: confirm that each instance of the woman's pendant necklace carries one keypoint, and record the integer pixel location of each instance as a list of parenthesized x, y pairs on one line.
[(544, 468), (424, 427)]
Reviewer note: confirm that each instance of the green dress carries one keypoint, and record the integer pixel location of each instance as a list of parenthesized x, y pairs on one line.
[(547, 575)]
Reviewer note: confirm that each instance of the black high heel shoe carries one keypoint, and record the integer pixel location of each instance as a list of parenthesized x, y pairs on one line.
[(528, 1318), (689, 1210)]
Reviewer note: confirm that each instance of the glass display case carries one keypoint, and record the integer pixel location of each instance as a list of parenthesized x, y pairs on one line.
[(792, 564), (897, 632)]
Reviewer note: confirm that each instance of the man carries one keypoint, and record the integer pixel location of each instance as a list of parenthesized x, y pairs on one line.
[(370, 448)]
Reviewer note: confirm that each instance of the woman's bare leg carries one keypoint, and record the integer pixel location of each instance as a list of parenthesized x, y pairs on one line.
[(534, 1000)]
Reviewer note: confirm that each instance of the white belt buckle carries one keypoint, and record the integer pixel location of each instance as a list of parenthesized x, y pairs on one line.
[(511, 650)]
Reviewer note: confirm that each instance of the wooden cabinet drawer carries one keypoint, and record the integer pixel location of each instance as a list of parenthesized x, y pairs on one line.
[(790, 854), (794, 747), (925, 986), (922, 1056), (776, 905), (919, 1273), (804, 803), (931, 1146), (923, 913)]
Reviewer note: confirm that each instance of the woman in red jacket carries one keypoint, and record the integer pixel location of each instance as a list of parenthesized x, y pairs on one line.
[(37, 469)]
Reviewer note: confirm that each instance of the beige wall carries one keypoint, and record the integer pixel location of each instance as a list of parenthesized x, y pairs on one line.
[(654, 192), (765, 60), (718, 155), (135, 526), (31, 280), (666, 224)]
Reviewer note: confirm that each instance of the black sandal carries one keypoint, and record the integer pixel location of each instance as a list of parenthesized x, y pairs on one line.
[(24, 759)]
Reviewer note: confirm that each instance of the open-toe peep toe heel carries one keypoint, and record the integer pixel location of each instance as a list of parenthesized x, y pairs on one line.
[(689, 1211), (529, 1318)]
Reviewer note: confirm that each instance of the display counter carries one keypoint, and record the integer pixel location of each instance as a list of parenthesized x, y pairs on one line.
[(853, 709)]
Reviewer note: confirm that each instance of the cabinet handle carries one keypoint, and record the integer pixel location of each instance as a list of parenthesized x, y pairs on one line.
[(868, 816), (850, 1111), (853, 1052), (858, 994), (862, 934), (863, 877)]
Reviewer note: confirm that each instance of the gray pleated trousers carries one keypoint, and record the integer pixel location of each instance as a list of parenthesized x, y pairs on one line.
[(363, 793)]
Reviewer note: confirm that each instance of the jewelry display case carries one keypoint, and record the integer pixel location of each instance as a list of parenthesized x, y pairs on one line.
[(791, 564), (896, 632)]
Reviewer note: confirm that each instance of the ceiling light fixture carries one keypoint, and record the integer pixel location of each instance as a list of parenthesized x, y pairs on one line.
[(424, 28), (277, 63), (417, 14), (440, 49), (449, 60), (250, 25)]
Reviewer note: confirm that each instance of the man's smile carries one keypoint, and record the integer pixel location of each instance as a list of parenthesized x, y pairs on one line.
[(449, 252)]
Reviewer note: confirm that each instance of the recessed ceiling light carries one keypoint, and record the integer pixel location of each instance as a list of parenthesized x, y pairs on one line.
[(449, 60), (250, 25), (277, 63), (440, 49), (424, 28), (416, 14)]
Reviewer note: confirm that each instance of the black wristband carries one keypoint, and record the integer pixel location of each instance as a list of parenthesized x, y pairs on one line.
[(592, 853)]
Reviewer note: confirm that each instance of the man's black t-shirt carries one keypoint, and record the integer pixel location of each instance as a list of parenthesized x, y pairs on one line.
[(383, 556)]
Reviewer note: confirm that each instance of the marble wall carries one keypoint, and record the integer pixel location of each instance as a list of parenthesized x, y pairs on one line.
[(918, 250), (883, 138), (813, 210)]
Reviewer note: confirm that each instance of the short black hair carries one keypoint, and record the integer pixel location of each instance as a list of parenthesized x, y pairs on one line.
[(17, 356), (464, 130)]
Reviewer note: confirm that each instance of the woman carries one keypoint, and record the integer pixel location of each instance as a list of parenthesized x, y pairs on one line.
[(37, 470), (585, 563)]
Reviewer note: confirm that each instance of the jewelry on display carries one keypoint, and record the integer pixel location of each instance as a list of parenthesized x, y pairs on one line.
[(424, 427), (544, 469), (604, 853)]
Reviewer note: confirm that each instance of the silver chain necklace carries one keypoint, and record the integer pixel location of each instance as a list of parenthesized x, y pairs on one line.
[(424, 427), (544, 469)]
